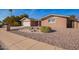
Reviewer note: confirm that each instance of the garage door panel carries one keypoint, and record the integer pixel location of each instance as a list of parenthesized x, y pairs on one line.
[(26, 23)]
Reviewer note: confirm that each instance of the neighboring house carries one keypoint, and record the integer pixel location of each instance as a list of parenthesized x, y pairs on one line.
[(29, 22), (59, 21)]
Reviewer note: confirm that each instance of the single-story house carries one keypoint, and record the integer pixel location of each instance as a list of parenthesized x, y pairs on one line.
[(59, 21), (29, 22), (53, 21)]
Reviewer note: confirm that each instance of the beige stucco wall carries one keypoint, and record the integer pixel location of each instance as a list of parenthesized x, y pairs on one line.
[(60, 23), (76, 25)]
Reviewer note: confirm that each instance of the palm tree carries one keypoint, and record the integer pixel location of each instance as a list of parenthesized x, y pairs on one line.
[(8, 25), (10, 10)]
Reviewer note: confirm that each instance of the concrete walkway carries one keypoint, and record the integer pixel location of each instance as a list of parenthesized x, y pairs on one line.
[(13, 41)]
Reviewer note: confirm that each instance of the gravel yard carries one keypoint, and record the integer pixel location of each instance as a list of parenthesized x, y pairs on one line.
[(64, 38)]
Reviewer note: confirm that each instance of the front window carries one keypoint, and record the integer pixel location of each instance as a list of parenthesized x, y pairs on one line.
[(51, 20)]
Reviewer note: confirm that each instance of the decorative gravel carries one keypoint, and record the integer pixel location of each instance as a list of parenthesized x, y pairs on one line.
[(64, 38)]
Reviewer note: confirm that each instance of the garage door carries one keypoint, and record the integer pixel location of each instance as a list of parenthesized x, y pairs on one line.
[(26, 23)]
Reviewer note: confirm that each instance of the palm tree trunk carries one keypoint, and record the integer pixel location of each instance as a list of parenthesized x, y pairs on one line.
[(8, 25)]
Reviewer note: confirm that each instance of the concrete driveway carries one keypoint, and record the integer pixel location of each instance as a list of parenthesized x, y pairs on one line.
[(11, 41)]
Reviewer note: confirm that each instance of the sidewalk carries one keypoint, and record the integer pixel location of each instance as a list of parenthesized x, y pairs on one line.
[(13, 41)]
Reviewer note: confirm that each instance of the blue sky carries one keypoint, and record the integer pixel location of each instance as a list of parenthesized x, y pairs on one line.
[(38, 13)]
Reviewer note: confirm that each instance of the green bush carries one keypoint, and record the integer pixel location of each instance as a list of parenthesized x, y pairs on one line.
[(45, 29)]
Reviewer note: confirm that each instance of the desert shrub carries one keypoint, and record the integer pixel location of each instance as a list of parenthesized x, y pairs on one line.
[(45, 29)]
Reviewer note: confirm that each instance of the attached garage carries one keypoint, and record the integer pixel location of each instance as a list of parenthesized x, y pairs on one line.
[(25, 21), (29, 22)]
